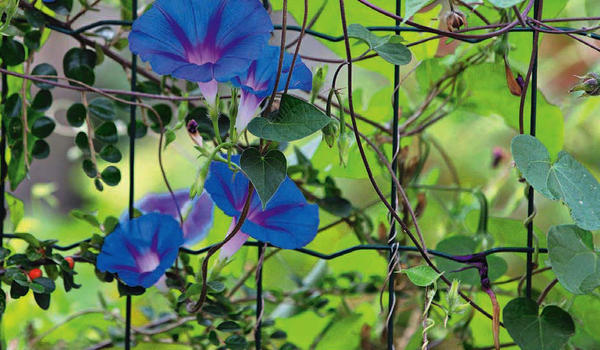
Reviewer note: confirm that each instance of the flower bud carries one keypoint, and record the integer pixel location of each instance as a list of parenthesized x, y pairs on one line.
[(590, 84), (498, 155), (455, 20), (192, 128), (330, 132)]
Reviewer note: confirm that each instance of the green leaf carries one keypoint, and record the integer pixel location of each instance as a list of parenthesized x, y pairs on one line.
[(43, 300), (294, 120), (17, 290), (102, 108), (266, 172), (165, 113), (44, 69), (40, 149), (414, 6), (358, 31), (81, 140), (549, 331), (76, 115), (87, 217), (43, 127), (89, 168), (566, 179), (236, 342), (16, 209), (2, 302), (228, 326), (464, 245), (12, 52), (13, 105), (79, 64), (16, 166), (574, 259), (42, 101), (32, 39), (422, 275), (110, 154), (107, 132), (394, 52), (46, 283), (111, 175), (505, 3)]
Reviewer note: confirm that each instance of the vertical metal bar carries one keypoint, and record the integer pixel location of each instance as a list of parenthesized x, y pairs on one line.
[(3, 166), (393, 197), (259, 300), (532, 131), (132, 111)]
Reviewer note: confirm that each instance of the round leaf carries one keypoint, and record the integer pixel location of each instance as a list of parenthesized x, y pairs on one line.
[(40, 149), (102, 108), (111, 175), (42, 127), (76, 115), (107, 132), (111, 154), (44, 69)]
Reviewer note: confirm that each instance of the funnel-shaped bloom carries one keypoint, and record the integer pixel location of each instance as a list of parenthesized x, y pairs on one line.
[(197, 213), (139, 251), (287, 221), (204, 41), (258, 81)]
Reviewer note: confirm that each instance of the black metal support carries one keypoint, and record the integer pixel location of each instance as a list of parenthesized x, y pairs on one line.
[(393, 196), (532, 131), (3, 166), (132, 120), (259, 299)]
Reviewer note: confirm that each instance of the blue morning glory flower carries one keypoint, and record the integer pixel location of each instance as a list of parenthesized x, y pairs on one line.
[(197, 213), (204, 41), (139, 251), (258, 81), (287, 221)]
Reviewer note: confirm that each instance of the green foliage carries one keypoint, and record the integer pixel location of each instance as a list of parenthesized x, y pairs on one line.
[(390, 48), (294, 120), (566, 180), (266, 171), (422, 275), (574, 259), (549, 330)]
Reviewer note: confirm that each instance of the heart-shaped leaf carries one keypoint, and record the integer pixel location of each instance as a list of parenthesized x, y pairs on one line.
[(573, 258), (414, 6), (422, 275), (566, 179), (505, 3), (266, 172), (294, 120), (548, 331)]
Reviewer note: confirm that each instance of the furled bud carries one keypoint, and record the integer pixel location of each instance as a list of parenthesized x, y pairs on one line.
[(330, 132), (455, 20), (590, 84), (192, 128), (498, 155)]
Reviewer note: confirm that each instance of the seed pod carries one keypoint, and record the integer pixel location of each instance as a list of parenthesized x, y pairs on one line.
[(590, 84), (455, 20)]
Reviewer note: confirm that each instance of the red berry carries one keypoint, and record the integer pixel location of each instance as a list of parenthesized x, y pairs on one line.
[(34, 273), (70, 261)]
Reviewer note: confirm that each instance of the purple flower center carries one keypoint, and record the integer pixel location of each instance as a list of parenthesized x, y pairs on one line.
[(148, 261)]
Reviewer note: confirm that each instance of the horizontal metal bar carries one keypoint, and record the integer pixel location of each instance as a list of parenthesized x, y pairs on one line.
[(321, 35), (377, 247)]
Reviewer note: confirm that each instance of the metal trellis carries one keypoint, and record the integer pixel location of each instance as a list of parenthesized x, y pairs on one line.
[(392, 248)]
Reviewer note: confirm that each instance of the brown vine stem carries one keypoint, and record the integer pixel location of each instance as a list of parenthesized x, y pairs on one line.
[(370, 173), (198, 306), (82, 12), (90, 134), (289, 78), (281, 56), (24, 90), (45, 79), (546, 291)]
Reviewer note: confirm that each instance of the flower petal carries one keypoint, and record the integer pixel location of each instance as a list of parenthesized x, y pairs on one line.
[(198, 214), (201, 40), (287, 222), (139, 251), (247, 109), (234, 244), (227, 189)]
